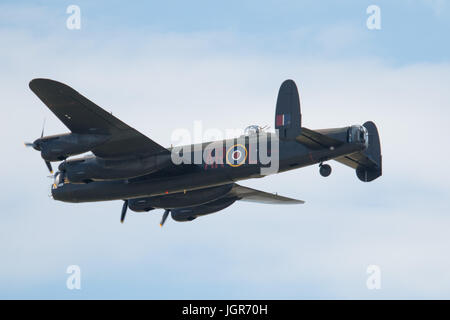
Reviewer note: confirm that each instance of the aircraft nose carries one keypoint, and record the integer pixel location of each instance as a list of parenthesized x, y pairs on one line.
[(61, 194), (55, 193), (62, 166)]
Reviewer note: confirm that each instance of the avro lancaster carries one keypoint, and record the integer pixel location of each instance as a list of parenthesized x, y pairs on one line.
[(192, 180)]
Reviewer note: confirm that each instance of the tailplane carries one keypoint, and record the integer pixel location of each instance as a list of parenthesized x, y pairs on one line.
[(367, 163)]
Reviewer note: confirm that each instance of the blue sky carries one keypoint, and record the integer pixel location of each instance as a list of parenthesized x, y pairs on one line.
[(413, 31), (160, 67)]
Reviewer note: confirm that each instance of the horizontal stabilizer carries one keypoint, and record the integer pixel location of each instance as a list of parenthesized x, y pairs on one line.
[(367, 163), (321, 138)]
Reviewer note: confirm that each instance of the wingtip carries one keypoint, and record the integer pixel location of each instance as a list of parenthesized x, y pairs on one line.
[(37, 83)]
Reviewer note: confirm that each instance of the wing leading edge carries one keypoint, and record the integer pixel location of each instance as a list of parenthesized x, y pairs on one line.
[(82, 116)]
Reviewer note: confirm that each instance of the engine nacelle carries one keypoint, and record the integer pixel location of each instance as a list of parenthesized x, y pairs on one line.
[(92, 168), (191, 213), (180, 200), (60, 147)]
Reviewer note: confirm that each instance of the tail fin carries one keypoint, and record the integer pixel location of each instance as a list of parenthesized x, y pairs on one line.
[(372, 169), (367, 163), (288, 117)]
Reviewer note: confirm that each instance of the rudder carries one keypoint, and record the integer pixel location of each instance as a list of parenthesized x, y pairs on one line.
[(373, 170)]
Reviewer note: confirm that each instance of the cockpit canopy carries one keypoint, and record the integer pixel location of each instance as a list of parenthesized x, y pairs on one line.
[(58, 181), (253, 130), (358, 134)]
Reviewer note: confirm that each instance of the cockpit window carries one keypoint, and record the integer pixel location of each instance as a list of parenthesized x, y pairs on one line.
[(252, 130), (255, 130), (58, 181)]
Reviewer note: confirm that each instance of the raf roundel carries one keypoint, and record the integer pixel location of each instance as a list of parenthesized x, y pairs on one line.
[(236, 155)]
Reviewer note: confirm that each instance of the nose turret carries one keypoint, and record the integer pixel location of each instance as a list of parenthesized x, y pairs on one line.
[(62, 191)]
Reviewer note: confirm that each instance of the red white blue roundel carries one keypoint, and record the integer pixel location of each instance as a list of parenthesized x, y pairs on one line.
[(236, 155)]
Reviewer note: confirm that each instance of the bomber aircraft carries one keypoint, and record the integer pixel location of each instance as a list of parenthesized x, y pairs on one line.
[(193, 180)]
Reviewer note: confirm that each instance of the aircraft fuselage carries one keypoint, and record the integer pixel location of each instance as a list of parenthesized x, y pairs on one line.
[(186, 177)]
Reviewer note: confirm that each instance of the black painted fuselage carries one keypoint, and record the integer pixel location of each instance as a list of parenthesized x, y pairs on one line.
[(186, 177)]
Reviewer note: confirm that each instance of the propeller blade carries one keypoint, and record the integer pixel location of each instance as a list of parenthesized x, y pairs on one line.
[(49, 166), (124, 211), (43, 126), (164, 217), (28, 144)]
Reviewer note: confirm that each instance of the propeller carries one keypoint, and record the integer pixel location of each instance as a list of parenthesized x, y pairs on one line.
[(36, 145), (49, 166), (164, 217), (124, 210), (43, 126)]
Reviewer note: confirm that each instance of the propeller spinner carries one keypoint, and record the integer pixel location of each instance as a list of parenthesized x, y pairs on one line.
[(36, 146)]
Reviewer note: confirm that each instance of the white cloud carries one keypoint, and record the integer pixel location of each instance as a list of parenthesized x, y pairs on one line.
[(438, 6)]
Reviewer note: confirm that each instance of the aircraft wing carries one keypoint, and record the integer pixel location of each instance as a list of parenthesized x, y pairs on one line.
[(83, 116), (253, 195)]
